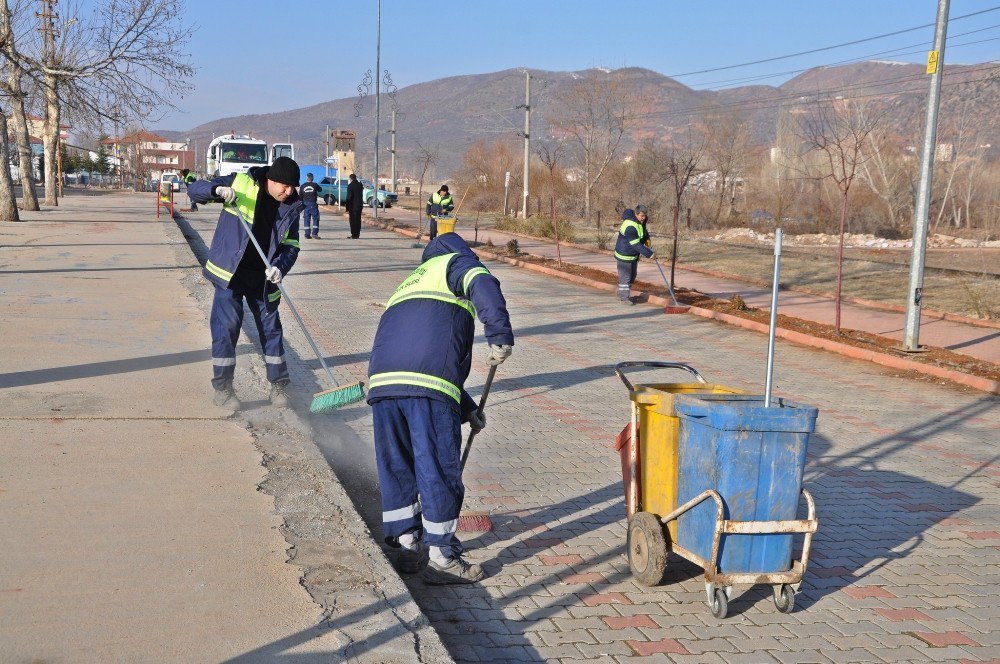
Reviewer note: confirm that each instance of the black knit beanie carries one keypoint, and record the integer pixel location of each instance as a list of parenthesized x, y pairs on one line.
[(285, 171)]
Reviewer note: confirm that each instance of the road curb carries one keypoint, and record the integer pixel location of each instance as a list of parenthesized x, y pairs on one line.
[(975, 382)]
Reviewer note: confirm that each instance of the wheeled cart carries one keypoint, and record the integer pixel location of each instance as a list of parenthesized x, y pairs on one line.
[(723, 489)]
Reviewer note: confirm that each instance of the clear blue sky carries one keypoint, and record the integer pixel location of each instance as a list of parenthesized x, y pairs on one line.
[(260, 56)]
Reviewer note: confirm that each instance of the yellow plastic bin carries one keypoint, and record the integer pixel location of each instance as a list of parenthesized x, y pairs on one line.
[(445, 224), (656, 461)]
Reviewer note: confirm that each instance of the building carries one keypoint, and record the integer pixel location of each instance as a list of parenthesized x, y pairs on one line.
[(145, 156)]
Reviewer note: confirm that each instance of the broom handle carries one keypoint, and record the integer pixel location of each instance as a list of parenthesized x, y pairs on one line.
[(288, 300), (669, 287), (482, 405)]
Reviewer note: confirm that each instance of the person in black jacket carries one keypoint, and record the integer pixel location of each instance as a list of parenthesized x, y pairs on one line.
[(355, 203), (420, 360), (309, 193)]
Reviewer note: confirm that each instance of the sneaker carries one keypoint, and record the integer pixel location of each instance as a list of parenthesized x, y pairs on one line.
[(410, 561), (457, 570), (279, 395), (226, 398)]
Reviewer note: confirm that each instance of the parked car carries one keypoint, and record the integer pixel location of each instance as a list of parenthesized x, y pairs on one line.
[(333, 192)]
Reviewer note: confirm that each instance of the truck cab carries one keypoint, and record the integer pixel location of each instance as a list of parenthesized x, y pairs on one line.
[(238, 153)]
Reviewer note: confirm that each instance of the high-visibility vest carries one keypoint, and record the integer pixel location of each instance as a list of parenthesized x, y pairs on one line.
[(626, 224), (443, 201), (189, 178), (429, 282), (246, 200)]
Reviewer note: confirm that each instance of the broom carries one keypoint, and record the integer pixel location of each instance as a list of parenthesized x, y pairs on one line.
[(677, 307), (336, 396), (476, 522)]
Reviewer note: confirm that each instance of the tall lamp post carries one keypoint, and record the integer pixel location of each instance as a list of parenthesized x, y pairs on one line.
[(378, 76)]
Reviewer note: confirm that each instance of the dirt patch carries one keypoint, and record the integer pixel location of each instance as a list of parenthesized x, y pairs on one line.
[(868, 341)]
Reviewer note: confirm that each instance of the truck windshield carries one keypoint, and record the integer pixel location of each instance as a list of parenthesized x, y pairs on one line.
[(245, 153)]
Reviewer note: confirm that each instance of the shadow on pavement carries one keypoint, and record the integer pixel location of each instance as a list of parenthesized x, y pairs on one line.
[(94, 369)]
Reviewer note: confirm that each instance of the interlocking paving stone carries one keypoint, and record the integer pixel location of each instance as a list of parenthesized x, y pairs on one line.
[(903, 472)]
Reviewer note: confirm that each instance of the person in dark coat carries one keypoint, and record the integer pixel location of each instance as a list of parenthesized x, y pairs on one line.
[(355, 202), (309, 193), (633, 241), (420, 360), (188, 177), (266, 198)]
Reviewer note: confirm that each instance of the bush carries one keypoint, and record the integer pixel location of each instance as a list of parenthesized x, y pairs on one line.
[(537, 227)]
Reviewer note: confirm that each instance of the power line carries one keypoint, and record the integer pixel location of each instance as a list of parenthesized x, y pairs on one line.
[(827, 48)]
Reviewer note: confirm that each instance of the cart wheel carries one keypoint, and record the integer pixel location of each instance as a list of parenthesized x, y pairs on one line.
[(647, 549), (720, 603), (784, 599)]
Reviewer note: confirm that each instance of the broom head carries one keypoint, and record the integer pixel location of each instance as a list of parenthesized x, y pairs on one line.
[(475, 522), (328, 400)]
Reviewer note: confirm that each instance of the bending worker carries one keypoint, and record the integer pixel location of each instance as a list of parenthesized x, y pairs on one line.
[(421, 358), (633, 241), (188, 177), (266, 197), (439, 204)]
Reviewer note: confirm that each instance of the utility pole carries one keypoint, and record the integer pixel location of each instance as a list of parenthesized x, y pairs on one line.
[(48, 29), (935, 64), (527, 141), (326, 157), (378, 76), (392, 151)]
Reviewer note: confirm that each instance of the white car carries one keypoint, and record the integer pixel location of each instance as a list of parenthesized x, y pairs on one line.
[(173, 179)]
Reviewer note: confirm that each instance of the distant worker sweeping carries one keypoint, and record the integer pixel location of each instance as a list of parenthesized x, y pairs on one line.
[(188, 177), (419, 362), (633, 241), (439, 204), (265, 196)]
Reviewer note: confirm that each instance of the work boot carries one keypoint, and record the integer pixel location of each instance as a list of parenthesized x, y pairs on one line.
[(309, 237), (456, 570), (279, 394), (316, 236), (630, 302), (226, 398)]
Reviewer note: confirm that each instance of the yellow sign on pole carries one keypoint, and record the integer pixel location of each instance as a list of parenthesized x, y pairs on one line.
[(932, 62)]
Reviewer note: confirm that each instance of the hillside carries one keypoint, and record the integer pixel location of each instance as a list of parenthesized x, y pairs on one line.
[(451, 113)]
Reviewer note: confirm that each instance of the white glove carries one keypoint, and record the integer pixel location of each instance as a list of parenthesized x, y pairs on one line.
[(498, 354), (477, 420), (273, 275), (227, 195)]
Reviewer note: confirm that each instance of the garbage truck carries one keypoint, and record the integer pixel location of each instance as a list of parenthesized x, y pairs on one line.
[(238, 153)]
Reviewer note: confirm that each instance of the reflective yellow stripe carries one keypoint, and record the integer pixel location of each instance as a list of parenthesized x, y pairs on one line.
[(430, 281), (218, 271), (246, 196), (635, 241), (417, 379), (291, 243), (274, 297), (470, 275), (623, 257)]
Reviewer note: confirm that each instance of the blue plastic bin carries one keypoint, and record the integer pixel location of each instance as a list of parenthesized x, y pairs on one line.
[(754, 457)]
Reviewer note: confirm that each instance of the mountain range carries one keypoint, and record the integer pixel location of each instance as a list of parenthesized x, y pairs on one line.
[(449, 114)]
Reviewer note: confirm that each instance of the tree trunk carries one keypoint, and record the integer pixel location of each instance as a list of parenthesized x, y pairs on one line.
[(673, 251), (555, 227), (8, 202), (50, 141), (840, 260), (29, 198)]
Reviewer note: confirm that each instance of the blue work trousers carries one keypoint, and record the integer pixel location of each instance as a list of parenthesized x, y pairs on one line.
[(310, 211), (262, 298), (627, 271), (417, 450)]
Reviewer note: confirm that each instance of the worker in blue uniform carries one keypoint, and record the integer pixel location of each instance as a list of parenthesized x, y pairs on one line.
[(419, 363), (267, 199), (633, 241), (439, 204), (188, 177), (309, 193)]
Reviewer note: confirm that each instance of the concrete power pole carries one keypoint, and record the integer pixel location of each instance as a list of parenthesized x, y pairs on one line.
[(392, 151), (378, 75), (935, 63), (527, 141)]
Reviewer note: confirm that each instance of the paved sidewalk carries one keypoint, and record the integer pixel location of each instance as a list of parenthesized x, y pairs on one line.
[(979, 342), (137, 521), (904, 473)]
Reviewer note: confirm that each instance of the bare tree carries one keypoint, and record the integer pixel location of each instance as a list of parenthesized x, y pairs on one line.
[(727, 141), (8, 203), (886, 174), (424, 159), (123, 60), (679, 164), (594, 114), (550, 155), (12, 88), (838, 131)]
